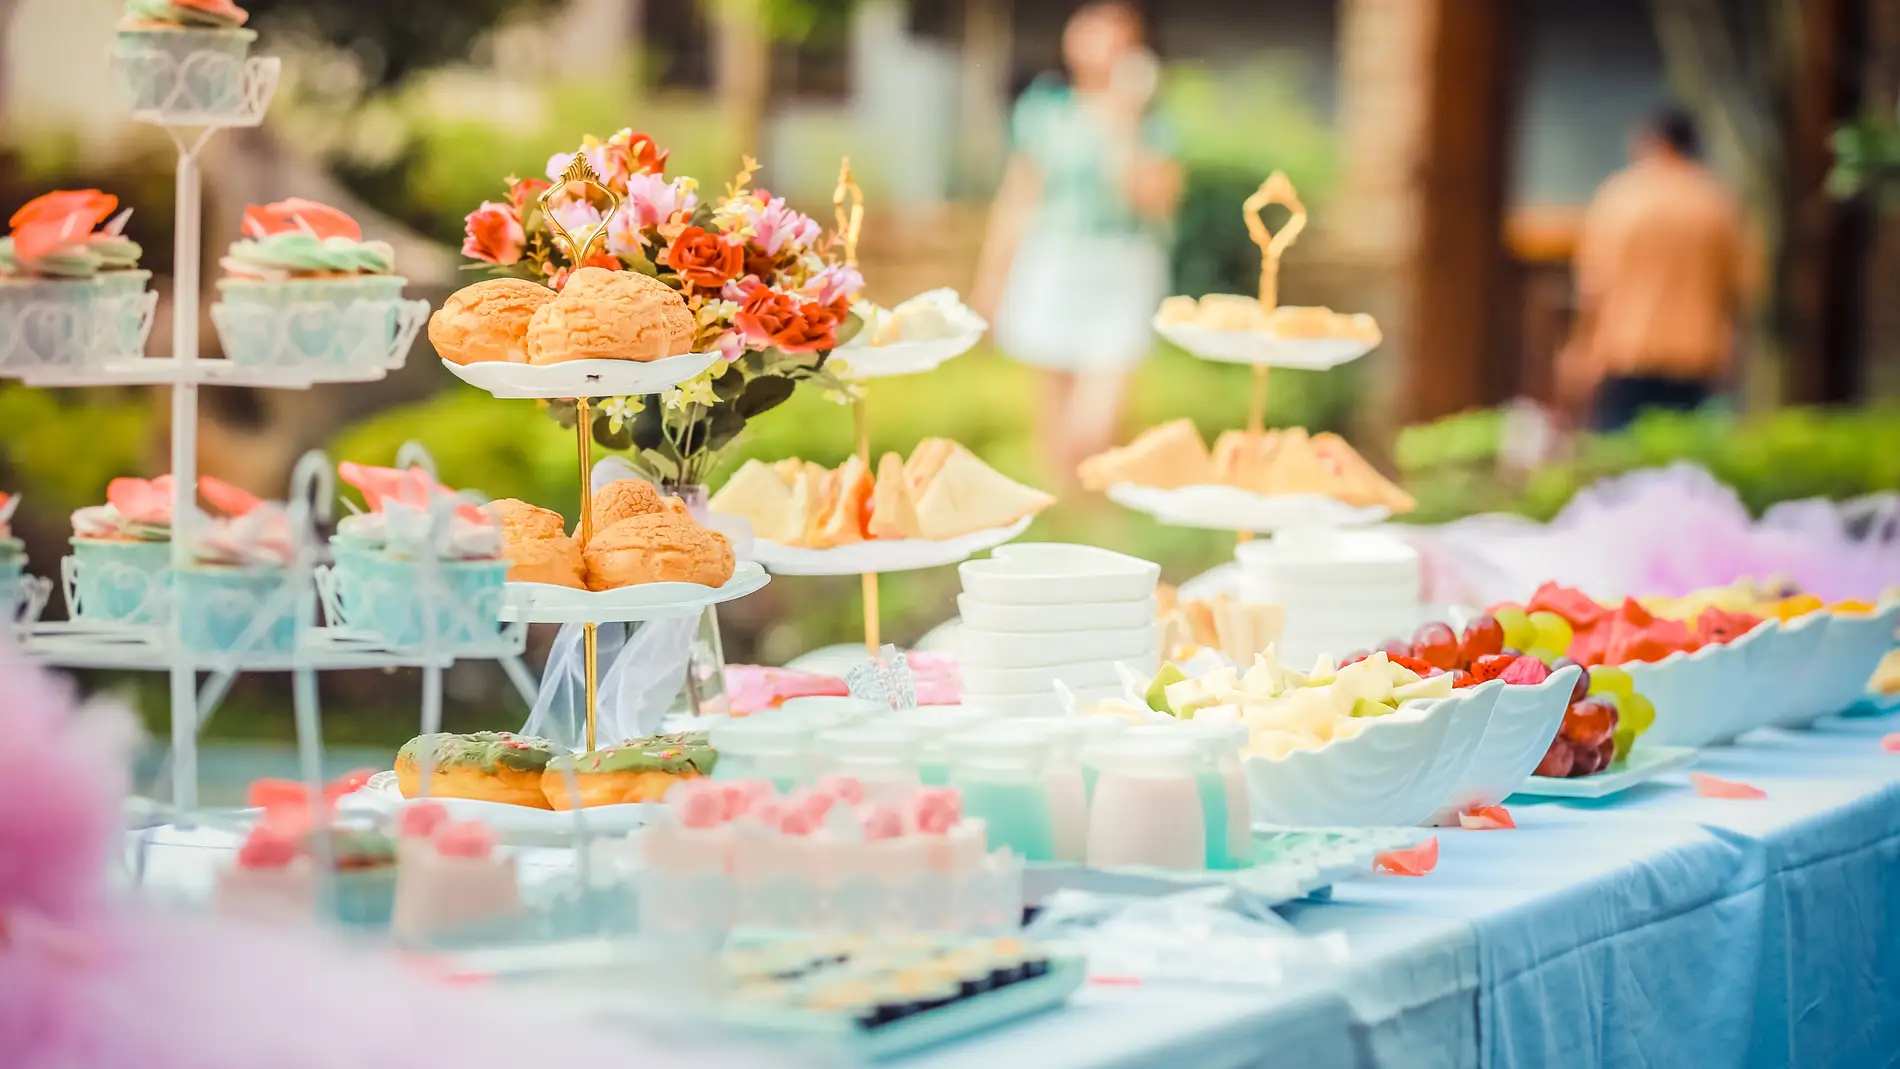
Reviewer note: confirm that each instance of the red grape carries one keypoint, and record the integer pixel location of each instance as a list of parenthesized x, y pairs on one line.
[(1395, 647), (1590, 759), (1354, 658), (1557, 760), (1588, 722), (1582, 689), (1483, 636), (1606, 752), (1437, 645), (1490, 666)]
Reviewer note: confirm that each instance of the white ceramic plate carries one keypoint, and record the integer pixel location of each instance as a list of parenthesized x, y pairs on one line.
[(544, 603), (1034, 649), (1642, 765), (513, 822), (981, 615), (581, 378), (1229, 508), (1521, 727), (867, 361), (1053, 573), (1266, 350), (896, 555), (1396, 772)]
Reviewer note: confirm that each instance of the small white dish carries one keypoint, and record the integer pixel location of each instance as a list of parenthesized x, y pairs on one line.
[(1036, 649), (1262, 349), (878, 556), (544, 603), (979, 681), (982, 615), (1054, 573), (1642, 765), (1515, 740), (869, 361), (581, 378), (1229, 508)]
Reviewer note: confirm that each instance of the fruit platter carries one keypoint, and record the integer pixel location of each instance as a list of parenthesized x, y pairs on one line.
[(1716, 664)]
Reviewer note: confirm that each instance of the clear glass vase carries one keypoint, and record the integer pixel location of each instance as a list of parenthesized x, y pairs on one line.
[(705, 691)]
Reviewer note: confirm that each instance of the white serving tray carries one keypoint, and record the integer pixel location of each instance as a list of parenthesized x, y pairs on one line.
[(1643, 764), (1261, 349), (1229, 508), (515, 823), (581, 378), (877, 556), (867, 361), (545, 603)]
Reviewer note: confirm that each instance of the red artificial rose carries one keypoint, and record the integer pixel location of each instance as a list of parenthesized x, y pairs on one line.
[(704, 259), (812, 327), (763, 312), (493, 234), (643, 155)]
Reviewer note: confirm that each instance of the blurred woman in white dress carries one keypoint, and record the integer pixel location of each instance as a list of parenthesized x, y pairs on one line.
[(1075, 261)]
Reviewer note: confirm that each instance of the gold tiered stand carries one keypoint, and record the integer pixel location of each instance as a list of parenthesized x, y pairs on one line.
[(847, 202)]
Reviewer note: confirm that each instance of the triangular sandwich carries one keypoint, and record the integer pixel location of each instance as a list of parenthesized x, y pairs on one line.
[(967, 495), (757, 494), (1163, 457), (893, 508)]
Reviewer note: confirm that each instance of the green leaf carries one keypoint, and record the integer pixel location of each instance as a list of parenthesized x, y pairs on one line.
[(763, 395), (609, 438), (852, 326)]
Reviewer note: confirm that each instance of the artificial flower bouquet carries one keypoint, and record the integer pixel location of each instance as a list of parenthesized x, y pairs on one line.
[(753, 274)]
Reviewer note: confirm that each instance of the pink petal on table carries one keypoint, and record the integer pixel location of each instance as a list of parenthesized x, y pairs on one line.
[(1891, 743), (1486, 818), (1716, 787), (1411, 861)]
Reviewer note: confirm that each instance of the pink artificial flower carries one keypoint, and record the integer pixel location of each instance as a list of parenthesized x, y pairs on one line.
[(834, 284), (141, 500), (652, 200), (492, 233), (774, 226), (730, 346), (297, 215)]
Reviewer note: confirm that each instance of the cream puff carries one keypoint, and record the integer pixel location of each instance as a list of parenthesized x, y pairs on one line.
[(610, 315), (487, 321), (661, 548)]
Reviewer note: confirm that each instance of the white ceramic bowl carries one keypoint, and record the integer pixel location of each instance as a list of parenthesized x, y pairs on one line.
[(1052, 573), (1752, 697), (979, 681), (1398, 771), (1785, 667), (1846, 658), (1692, 693), (1036, 649), (986, 616), (1521, 727)]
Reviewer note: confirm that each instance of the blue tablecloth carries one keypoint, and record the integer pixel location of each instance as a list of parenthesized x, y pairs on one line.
[(1657, 928)]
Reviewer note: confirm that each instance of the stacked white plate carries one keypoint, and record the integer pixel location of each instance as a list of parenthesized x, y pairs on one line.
[(1045, 613), (1342, 590)]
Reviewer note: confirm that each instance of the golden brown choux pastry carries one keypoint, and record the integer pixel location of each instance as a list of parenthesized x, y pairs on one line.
[(624, 500), (610, 315), (487, 321), (555, 560), (661, 548), (521, 522)]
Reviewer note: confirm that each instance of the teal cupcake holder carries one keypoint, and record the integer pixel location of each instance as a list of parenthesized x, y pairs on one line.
[(117, 583), (342, 327), (238, 609), (62, 328), (179, 76), (22, 596), (396, 600)]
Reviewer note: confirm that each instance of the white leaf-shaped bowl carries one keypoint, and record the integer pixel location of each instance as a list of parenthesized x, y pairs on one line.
[(1524, 721), (1691, 693), (1785, 666), (1056, 573), (1843, 661), (1396, 772)]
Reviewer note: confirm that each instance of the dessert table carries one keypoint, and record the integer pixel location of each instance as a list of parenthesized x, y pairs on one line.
[(1656, 927)]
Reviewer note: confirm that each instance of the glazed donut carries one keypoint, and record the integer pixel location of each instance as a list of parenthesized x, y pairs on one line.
[(487, 766), (639, 770)]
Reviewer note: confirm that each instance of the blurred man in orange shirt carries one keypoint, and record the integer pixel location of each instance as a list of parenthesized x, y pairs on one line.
[(1661, 274)]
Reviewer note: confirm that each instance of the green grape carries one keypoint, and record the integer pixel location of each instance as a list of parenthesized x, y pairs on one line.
[(1635, 714), (1549, 657), (1609, 679), (1518, 632), (1552, 632)]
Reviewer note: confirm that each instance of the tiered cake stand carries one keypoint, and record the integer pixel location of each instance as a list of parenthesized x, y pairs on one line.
[(864, 363), (104, 346), (584, 380)]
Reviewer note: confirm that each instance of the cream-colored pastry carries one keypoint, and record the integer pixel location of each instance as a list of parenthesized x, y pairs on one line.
[(1246, 458), (661, 548), (760, 495), (1295, 322), (967, 495), (847, 507), (811, 497), (893, 508), (487, 321), (925, 460), (624, 499), (1358, 482), (1229, 311), (1179, 310), (521, 521), (610, 315), (1163, 457)]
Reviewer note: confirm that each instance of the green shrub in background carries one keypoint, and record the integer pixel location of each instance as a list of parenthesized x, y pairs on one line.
[(1794, 453), (61, 447)]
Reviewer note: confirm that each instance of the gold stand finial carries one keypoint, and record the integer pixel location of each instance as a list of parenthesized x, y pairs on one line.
[(848, 201), (1275, 190), (580, 175)]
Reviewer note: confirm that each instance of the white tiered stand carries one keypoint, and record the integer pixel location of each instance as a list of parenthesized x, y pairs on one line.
[(159, 647)]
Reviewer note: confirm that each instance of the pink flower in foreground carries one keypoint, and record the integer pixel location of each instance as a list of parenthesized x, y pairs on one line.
[(493, 234), (834, 284), (775, 226), (652, 200)]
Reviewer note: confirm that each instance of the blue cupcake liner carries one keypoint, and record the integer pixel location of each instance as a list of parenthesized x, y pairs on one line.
[(381, 594), (218, 607), (121, 582), (322, 322), (183, 71)]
